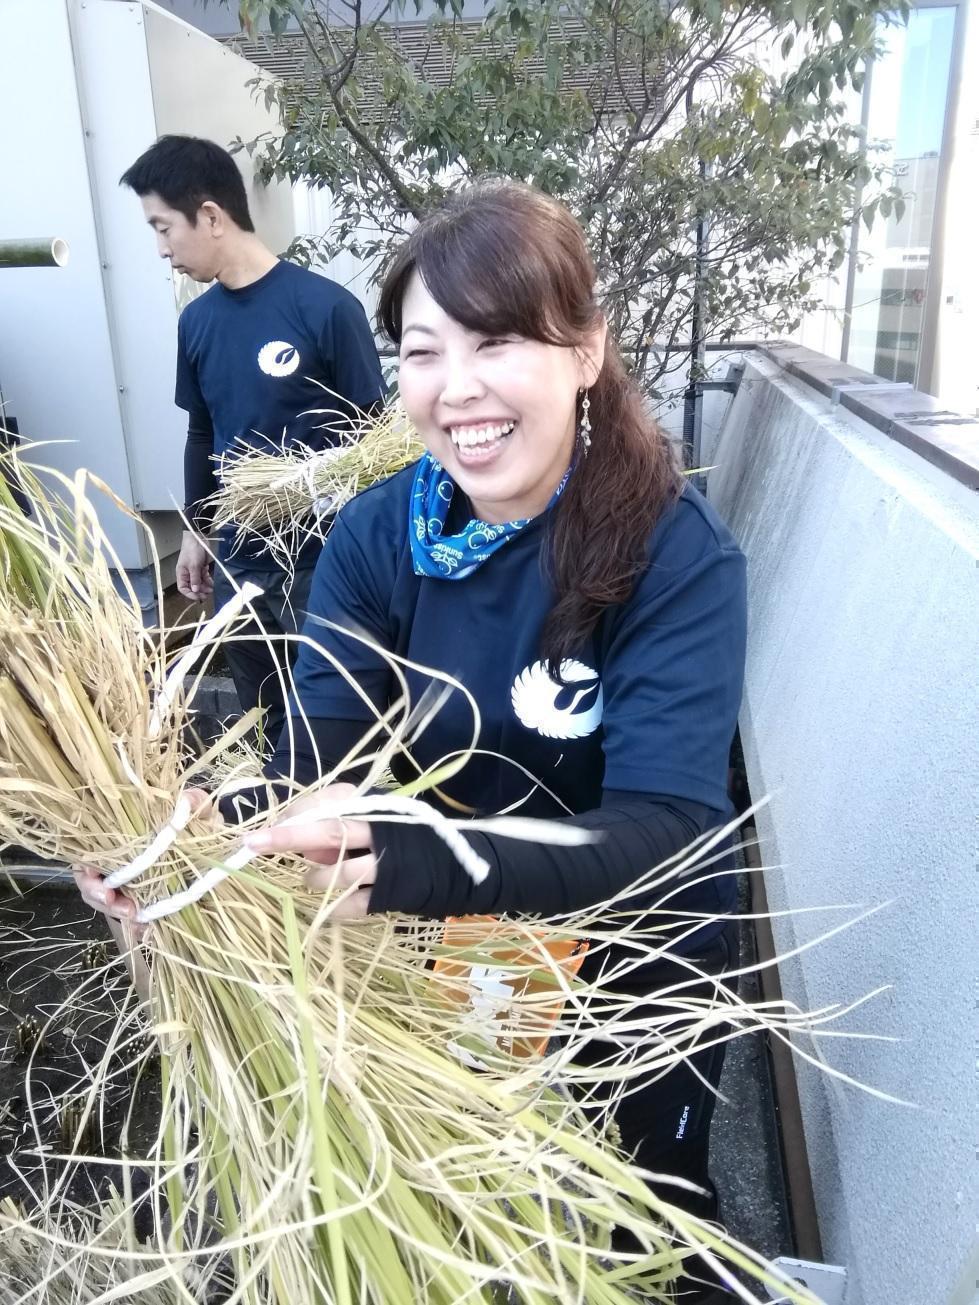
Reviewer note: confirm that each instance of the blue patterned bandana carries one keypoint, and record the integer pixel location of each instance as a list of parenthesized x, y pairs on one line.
[(452, 557)]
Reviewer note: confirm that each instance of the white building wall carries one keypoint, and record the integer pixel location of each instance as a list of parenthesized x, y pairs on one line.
[(56, 362), (87, 352), (860, 719)]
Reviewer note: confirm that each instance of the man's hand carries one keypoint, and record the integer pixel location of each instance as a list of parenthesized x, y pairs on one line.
[(194, 569)]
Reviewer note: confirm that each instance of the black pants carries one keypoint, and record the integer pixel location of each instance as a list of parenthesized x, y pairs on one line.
[(664, 1123), (257, 666)]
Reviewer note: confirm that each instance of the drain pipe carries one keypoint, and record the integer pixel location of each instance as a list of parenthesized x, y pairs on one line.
[(44, 251), (692, 403)]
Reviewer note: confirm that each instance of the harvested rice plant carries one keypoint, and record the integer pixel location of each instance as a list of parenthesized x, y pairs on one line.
[(299, 1110), (283, 496)]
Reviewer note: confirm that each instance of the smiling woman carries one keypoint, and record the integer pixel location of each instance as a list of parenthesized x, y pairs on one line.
[(545, 554), (505, 362)]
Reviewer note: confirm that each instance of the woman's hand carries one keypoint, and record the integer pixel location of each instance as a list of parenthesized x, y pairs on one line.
[(343, 848), (110, 901), (113, 902)]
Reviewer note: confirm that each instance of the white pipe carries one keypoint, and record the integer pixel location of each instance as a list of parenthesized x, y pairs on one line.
[(42, 251)]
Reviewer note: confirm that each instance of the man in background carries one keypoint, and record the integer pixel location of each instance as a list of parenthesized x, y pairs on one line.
[(253, 355)]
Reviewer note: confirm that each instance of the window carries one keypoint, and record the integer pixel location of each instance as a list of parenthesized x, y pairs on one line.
[(894, 279)]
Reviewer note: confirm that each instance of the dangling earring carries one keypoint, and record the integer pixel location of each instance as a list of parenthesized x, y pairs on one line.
[(584, 429)]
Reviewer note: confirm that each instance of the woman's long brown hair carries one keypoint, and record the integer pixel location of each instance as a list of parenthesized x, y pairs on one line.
[(503, 259)]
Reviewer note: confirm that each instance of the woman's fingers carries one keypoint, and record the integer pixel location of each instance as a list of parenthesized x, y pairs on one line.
[(320, 840), (200, 801), (351, 872), (352, 907), (323, 841), (96, 894), (332, 793)]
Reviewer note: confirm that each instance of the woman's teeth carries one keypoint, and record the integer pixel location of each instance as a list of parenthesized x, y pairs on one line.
[(468, 437)]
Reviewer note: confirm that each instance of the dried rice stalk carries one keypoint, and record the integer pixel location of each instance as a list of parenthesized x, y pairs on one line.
[(40, 1266), (316, 1110), (282, 497)]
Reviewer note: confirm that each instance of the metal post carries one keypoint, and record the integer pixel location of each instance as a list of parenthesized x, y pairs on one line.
[(692, 400)]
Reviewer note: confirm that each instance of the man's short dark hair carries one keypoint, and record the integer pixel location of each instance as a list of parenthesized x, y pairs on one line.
[(185, 171)]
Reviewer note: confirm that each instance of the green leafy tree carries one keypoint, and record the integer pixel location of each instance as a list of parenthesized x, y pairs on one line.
[(651, 120)]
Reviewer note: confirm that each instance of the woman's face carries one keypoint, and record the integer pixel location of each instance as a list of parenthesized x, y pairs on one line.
[(497, 412)]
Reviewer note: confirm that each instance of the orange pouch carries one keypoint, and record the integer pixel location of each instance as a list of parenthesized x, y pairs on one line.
[(491, 986)]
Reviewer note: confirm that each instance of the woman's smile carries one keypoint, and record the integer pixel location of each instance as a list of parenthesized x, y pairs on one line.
[(479, 443)]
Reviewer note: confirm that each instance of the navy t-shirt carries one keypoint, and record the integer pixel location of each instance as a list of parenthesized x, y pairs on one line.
[(649, 705), (249, 361)]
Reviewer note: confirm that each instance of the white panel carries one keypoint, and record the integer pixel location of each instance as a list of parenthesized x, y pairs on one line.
[(114, 85), (315, 212), (957, 384), (55, 356), (199, 89)]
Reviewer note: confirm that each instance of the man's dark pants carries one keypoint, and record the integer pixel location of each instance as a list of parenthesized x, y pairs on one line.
[(260, 667)]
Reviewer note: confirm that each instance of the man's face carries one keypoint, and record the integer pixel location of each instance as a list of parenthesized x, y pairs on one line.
[(190, 248)]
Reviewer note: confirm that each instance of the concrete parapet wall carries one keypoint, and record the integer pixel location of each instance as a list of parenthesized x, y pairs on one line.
[(860, 720)]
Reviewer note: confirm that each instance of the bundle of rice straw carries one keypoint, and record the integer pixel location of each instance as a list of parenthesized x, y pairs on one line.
[(324, 1135), (282, 496)]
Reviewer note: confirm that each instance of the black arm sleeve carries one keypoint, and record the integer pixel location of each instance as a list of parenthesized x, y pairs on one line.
[(419, 875), (200, 478), (636, 832)]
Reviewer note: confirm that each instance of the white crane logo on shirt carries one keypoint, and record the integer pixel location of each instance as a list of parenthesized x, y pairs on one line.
[(278, 358), (571, 710)]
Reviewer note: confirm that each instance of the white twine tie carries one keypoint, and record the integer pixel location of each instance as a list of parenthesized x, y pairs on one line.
[(402, 809), (407, 809), (160, 844)]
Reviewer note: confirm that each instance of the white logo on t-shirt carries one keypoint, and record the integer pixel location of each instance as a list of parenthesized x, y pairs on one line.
[(278, 358), (571, 710)]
